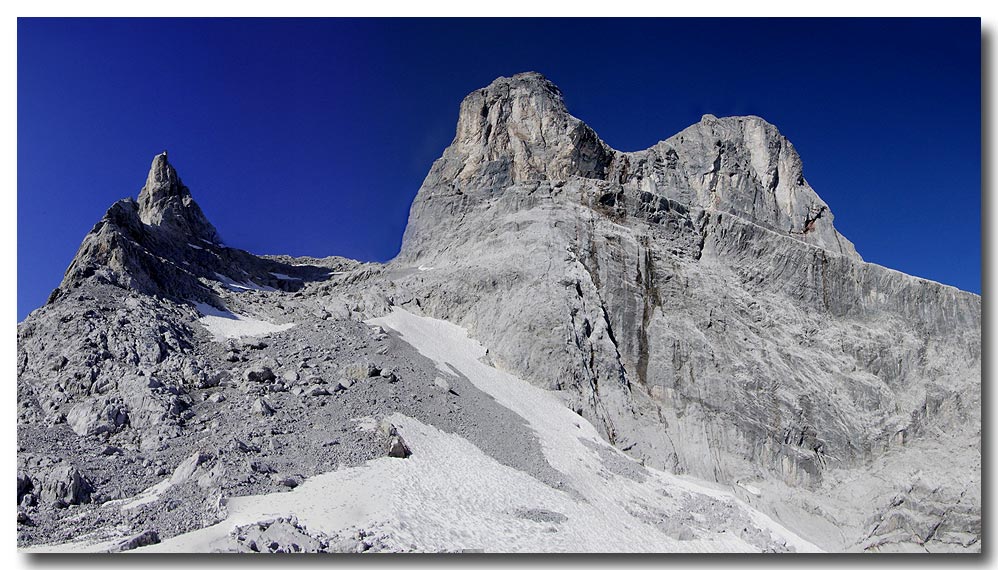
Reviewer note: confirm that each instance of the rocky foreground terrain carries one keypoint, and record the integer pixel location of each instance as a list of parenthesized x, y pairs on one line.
[(577, 349)]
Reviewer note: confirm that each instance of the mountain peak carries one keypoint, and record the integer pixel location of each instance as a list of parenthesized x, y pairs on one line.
[(166, 203), (517, 131)]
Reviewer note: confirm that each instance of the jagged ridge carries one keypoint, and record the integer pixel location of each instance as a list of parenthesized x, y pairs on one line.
[(163, 245)]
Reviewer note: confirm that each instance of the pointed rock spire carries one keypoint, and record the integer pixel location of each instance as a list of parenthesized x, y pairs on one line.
[(166, 203)]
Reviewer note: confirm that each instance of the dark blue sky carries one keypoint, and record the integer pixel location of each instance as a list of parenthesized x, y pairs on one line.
[(311, 137)]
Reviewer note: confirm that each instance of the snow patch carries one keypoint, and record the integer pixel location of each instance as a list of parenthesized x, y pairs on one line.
[(425, 268), (284, 277), (219, 245), (198, 247), (240, 286), (224, 324), (611, 498)]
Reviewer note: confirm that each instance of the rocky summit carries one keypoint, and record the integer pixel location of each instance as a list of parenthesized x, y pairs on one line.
[(577, 349)]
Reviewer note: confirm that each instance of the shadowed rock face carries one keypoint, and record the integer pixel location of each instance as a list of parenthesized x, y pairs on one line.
[(693, 300)]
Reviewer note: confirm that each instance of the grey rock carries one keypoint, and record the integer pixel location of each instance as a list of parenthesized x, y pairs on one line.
[(398, 448), (260, 372), (262, 467), (362, 370), (165, 223), (261, 407), (693, 300), (24, 486), (96, 416), (287, 481), (142, 539), (66, 485), (282, 535), (441, 383)]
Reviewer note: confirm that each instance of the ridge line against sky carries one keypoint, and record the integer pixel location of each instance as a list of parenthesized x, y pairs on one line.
[(310, 137)]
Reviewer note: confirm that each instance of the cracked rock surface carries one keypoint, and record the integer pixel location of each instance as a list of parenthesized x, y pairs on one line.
[(693, 301)]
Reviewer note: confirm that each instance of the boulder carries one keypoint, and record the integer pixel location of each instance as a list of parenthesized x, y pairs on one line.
[(260, 406), (24, 485), (361, 370), (144, 538), (260, 371), (317, 391), (397, 447), (66, 484)]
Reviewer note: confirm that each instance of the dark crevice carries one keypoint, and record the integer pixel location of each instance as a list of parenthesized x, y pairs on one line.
[(814, 214)]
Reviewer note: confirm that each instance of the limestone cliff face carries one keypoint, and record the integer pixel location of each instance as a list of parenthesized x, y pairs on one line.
[(518, 131), (695, 301)]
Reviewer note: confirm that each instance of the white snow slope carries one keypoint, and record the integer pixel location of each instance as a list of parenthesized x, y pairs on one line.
[(450, 496)]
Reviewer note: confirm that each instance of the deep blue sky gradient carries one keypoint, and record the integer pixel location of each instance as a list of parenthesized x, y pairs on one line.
[(311, 137)]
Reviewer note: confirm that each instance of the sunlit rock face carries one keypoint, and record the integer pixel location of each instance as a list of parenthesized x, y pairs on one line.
[(693, 302)]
